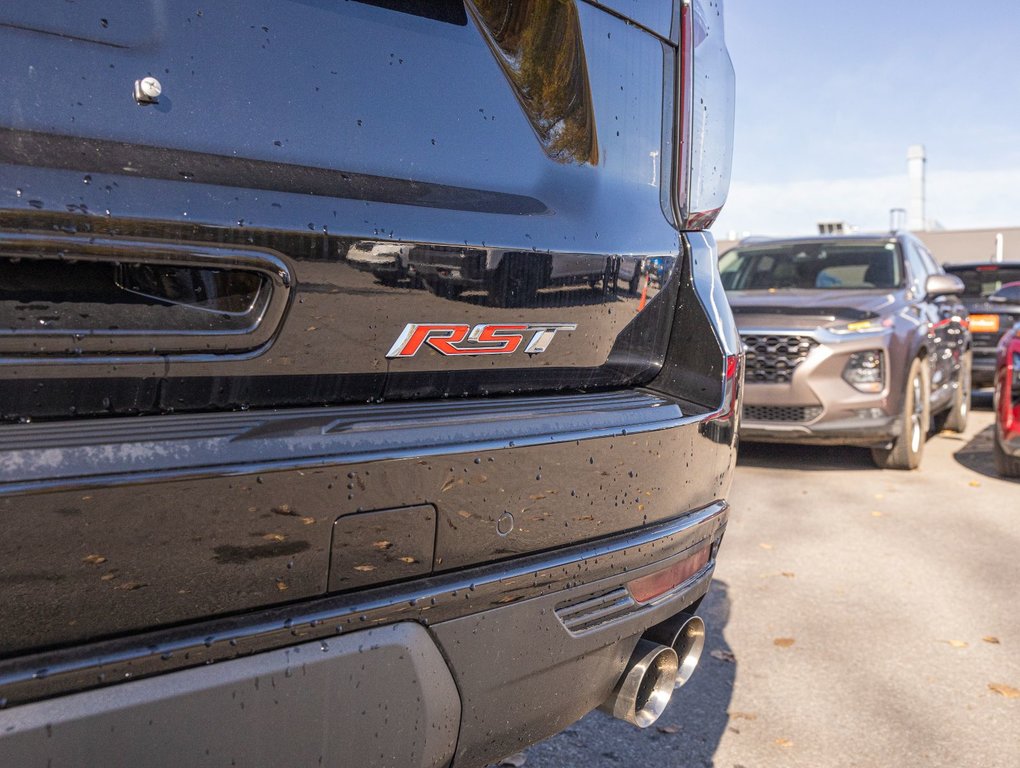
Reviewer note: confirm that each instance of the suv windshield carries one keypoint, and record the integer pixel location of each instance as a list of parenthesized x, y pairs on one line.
[(983, 281), (809, 266)]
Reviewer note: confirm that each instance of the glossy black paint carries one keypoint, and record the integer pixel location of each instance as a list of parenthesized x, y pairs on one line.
[(359, 167), (433, 601), (238, 510), (381, 545), (468, 215)]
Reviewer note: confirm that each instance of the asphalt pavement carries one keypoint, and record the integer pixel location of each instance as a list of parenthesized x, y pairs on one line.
[(859, 617)]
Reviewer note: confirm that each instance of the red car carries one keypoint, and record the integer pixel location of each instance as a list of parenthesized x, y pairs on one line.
[(1007, 405)]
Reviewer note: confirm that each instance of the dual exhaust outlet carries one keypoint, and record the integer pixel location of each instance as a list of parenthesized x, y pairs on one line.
[(664, 659)]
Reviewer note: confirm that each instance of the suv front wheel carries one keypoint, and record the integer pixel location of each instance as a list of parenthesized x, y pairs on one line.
[(907, 450)]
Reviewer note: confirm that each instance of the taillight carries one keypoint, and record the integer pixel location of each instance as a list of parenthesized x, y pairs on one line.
[(1007, 386), (647, 588), (705, 111)]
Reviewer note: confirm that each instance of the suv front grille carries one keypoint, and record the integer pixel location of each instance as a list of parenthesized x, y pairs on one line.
[(773, 359), (782, 413)]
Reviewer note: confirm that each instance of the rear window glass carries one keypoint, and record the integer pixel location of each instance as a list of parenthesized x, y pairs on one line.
[(1009, 292), (809, 266), (983, 281)]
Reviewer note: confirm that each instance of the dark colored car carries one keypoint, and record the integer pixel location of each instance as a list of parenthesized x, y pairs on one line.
[(1007, 404), (850, 340), (262, 506), (992, 296)]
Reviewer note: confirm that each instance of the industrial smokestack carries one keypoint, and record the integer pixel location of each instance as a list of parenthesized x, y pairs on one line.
[(917, 219)]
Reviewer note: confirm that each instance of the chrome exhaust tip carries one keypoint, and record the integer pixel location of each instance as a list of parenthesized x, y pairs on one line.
[(685, 634), (646, 686)]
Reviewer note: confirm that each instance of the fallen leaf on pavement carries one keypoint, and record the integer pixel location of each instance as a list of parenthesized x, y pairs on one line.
[(955, 643), (364, 568), (382, 544), (991, 639), (93, 559), (784, 742), (1005, 690), (407, 559), (274, 537), (308, 520), (783, 642), (514, 761), (108, 577), (722, 655), (669, 729), (789, 574), (130, 586), (974, 484), (282, 586)]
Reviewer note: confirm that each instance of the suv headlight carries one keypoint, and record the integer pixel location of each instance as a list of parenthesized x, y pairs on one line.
[(865, 371)]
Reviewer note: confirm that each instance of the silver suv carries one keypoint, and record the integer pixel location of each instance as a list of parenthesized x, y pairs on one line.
[(850, 341)]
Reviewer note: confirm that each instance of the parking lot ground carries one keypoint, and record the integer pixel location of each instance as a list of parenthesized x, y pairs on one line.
[(859, 617)]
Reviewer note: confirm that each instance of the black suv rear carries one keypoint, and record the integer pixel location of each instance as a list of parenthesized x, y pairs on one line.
[(992, 296), (269, 501)]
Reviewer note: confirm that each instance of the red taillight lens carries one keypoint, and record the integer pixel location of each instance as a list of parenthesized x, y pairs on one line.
[(659, 583), (1007, 386), (706, 102)]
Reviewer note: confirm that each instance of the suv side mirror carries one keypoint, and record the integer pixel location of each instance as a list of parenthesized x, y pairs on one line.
[(943, 285)]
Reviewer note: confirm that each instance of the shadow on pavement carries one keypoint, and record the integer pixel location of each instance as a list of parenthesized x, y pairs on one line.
[(977, 455), (686, 736), (807, 458)]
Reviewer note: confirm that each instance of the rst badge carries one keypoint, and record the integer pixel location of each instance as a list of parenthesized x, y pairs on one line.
[(455, 339)]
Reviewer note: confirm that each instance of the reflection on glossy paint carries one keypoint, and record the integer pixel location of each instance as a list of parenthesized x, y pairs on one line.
[(538, 44)]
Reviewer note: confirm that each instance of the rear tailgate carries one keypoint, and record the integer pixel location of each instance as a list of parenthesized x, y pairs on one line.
[(267, 230)]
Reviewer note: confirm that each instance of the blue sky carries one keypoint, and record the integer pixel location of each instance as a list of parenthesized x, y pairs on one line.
[(830, 95)]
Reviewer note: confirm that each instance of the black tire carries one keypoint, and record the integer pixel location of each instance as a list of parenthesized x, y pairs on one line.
[(1005, 465), (907, 451), (955, 419)]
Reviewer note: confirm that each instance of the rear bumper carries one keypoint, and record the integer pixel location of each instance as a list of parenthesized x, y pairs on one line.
[(470, 666), (159, 569), (983, 369)]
